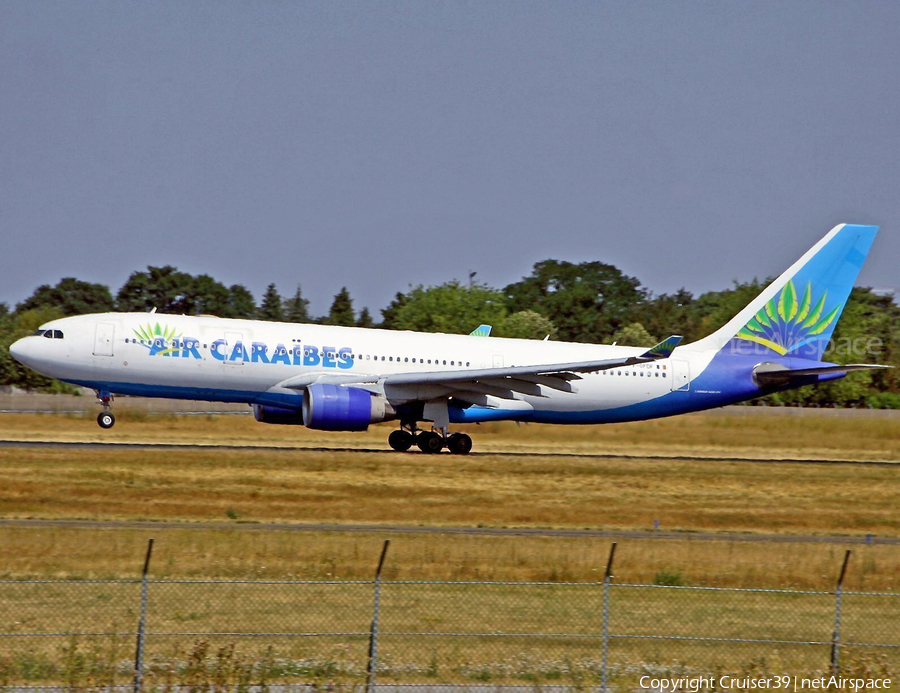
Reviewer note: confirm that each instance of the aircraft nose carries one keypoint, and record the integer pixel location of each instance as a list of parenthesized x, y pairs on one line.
[(18, 350)]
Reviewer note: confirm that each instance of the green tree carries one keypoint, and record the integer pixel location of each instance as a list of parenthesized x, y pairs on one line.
[(241, 303), (587, 302), (272, 307), (713, 309), (163, 288), (526, 324), (389, 314), (71, 296), (365, 319), (206, 296), (451, 308), (341, 312), (298, 308), (668, 314), (21, 324), (634, 334)]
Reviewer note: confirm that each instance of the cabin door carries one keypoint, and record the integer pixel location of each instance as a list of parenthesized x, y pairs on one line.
[(680, 375), (103, 339)]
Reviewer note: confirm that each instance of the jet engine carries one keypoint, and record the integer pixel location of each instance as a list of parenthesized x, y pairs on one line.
[(339, 408), (277, 415)]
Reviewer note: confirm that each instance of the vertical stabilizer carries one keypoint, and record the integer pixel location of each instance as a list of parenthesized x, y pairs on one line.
[(796, 314)]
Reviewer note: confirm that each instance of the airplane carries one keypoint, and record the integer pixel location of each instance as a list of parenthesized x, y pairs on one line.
[(346, 378)]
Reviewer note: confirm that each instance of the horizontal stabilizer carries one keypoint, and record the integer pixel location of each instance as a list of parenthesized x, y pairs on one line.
[(664, 349), (773, 375)]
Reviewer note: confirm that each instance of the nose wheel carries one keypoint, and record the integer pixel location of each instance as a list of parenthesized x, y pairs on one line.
[(105, 419)]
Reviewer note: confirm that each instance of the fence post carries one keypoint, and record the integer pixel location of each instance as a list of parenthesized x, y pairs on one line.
[(142, 621), (372, 664), (607, 577), (836, 635)]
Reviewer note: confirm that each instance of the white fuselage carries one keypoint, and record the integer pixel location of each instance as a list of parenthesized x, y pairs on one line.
[(233, 360)]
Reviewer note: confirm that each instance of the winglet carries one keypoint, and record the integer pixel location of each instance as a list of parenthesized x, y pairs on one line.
[(481, 331), (664, 349)]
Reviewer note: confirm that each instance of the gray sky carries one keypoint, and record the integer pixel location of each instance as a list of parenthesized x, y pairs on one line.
[(376, 145)]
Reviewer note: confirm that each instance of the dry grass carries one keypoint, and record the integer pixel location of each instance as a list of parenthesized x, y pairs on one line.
[(537, 489), (531, 490), (549, 632), (485, 490), (736, 431), (238, 553)]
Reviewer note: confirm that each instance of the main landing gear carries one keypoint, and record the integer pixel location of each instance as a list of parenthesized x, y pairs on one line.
[(429, 442), (105, 419)]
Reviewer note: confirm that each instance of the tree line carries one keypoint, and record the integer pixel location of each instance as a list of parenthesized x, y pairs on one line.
[(590, 302)]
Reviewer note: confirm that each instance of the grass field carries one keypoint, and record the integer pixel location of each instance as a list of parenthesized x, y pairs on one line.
[(354, 483), (298, 484), (498, 633), (736, 431)]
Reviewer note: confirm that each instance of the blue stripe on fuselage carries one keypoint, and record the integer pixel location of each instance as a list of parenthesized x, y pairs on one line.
[(726, 380), (204, 394)]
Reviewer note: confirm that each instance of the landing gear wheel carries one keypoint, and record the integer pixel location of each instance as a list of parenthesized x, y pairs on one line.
[(459, 444), (401, 441), (105, 419), (429, 442)]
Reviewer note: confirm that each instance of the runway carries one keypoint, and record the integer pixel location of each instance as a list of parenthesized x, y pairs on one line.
[(385, 451), (478, 531)]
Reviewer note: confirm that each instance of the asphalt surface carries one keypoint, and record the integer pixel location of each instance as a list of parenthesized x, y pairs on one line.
[(482, 531), (386, 451)]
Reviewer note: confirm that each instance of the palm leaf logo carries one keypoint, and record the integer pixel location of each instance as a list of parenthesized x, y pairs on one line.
[(149, 334), (786, 322)]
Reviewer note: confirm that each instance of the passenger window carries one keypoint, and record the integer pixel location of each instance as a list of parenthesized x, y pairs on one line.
[(406, 359)]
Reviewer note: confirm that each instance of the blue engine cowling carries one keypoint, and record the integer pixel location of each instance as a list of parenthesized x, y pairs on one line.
[(277, 415), (338, 408)]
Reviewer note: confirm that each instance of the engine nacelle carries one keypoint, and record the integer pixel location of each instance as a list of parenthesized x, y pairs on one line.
[(338, 408), (277, 415)]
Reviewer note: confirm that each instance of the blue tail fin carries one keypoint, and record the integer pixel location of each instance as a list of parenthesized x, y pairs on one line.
[(796, 314)]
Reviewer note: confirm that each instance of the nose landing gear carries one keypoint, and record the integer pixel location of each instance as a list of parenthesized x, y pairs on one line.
[(105, 419)]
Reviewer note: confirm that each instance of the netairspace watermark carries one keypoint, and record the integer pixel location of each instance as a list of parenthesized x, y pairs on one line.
[(843, 346), (787, 683)]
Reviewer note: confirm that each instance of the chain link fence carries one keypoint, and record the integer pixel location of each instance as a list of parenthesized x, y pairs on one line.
[(252, 635)]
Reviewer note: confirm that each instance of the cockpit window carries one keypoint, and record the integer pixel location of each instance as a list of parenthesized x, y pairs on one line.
[(57, 334), (39, 333), (48, 334)]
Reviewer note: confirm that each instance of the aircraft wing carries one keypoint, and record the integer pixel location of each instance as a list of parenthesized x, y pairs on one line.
[(478, 383), (564, 371)]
